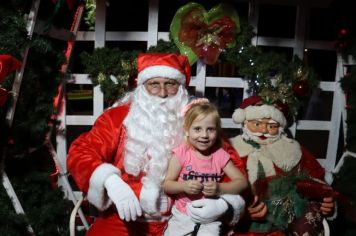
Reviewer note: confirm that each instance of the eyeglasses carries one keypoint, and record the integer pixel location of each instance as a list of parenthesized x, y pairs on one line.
[(260, 124), (156, 87)]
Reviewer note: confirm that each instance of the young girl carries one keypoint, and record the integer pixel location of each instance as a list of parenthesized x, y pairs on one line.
[(197, 168)]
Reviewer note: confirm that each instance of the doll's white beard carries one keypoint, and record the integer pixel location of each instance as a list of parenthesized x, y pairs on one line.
[(154, 127), (254, 136)]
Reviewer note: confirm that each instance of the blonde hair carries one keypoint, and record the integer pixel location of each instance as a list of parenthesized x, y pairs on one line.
[(200, 111)]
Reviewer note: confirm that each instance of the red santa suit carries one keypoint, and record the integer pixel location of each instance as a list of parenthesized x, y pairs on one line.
[(105, 144)]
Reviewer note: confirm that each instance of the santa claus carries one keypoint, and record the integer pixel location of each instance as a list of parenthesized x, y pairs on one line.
[(121, 162), (275, 165)]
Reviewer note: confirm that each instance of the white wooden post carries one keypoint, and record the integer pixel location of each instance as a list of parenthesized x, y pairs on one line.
[(152, 34)]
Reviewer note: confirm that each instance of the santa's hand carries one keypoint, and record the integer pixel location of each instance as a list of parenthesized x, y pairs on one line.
[(258, 210), (123, 197), (206, 210)]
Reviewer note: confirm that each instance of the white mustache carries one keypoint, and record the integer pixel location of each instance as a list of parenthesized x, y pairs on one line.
[(258, 134)]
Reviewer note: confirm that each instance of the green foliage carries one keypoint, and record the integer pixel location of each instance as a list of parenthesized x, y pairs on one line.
[(346, 175), (103, 60), (111, 69), (12, 224), (13, 33), (279, 193), (164, 46), (45, 207), (89, 18), (344, 182), (47, 211), (38, 89), (348, 84), (40, 80), (269, 74)]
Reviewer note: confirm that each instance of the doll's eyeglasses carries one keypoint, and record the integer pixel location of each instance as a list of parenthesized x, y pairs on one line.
[(264, 125)]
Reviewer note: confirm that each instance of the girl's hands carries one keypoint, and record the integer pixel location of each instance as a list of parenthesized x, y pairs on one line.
[(211, 189), (192, 187)]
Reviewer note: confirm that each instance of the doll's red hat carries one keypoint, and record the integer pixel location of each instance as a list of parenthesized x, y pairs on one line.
[(254, 107), (167, 65)]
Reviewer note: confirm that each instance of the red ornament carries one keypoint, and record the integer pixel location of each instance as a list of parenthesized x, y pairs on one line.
[(300, 88), (10, 141), (343, 32), (206, 40), (3, 97)]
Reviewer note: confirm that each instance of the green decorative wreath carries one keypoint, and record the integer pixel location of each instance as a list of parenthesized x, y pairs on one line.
[(112, 69)]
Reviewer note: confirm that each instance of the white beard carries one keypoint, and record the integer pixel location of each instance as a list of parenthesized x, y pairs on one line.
[(254, 136), (154, 127)]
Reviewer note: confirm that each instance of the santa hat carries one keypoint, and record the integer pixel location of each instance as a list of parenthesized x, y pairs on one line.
[(253, 108), (167, 65)]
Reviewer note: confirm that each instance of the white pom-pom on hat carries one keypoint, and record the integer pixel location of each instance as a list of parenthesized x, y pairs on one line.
[(239, 116)]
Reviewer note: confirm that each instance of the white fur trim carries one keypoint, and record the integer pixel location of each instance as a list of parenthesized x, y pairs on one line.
[(239, 116), (160, 71), (265, 111), (242, 148), (237, 203), (284, 153), (252, 164), (97, 193)]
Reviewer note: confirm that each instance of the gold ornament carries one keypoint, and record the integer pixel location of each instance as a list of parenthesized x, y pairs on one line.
[(101, 77)]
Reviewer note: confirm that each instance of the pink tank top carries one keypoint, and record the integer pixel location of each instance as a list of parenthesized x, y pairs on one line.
[(204, 170)]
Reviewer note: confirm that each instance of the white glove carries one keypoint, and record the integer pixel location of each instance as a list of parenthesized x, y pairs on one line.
[(206, 210), (238, 205), (149, 198), (123, 197)]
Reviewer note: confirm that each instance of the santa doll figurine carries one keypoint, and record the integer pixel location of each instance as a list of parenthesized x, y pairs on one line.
[(280, 172)]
